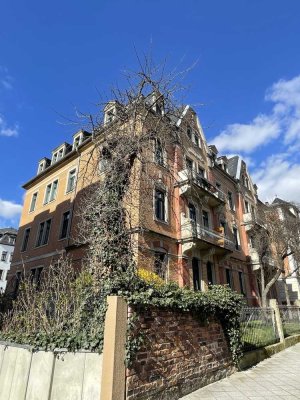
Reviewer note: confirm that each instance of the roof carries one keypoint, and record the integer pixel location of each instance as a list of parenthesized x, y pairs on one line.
[(6, 234)]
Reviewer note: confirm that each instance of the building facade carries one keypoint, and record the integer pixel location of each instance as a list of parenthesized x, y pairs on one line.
[(193, 218), (7, 244)]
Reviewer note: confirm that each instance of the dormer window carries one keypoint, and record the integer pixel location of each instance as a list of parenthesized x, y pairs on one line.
[(41, 167), (77, 141), (54, 158), (157, 103), (110, 112)]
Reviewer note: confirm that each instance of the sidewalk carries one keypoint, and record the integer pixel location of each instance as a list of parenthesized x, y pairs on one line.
[(275, 378)]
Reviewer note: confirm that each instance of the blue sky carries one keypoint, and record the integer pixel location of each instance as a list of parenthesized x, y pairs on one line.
[(55, 58)]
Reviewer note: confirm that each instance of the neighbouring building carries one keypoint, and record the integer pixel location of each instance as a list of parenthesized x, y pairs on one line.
[(288, 285), (196, 220), (7, 244)]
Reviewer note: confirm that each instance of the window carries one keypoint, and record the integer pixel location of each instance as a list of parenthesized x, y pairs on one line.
[(25, 239), (4, 256), (160, 209), (54, 158), (33, 202), (242, 285), (247, 208), (205, 219), (189, 132), (201, 172), (11, 257), (43, 233), (41, 167), (160, 264), (196, 139), (210, 273), (35, 276), (2, 274), (51, 191), (189, 164), (230, 201), (158, 155), (218, 185), (192, 212), (71, 181), (60, 154), (229, 278), (236, 238), (64, 230), (196, 274), (77, 141), (223, 225)]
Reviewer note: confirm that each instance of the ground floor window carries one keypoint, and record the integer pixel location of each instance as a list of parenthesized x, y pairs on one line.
[(160, 264)]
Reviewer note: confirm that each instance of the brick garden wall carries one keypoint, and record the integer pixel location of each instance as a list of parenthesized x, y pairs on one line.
[(180, 354)]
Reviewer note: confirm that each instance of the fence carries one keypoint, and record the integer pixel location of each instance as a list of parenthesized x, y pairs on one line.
[(258, 328), (290, 317), (261, 327)]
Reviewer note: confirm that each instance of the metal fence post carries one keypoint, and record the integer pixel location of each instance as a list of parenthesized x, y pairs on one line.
[(274, 305)]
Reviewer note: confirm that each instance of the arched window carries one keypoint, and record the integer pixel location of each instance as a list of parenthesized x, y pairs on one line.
[(159, 154)]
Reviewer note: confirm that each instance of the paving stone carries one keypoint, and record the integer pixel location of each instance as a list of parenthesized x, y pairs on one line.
[(274, 378)]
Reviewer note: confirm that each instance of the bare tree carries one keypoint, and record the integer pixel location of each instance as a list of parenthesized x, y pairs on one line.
[(276, 237), (137, 132)]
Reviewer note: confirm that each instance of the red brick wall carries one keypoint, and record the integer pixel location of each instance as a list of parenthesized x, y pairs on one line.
[(180, 354)]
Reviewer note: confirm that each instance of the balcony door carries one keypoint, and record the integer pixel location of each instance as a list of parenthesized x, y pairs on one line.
[(196, 273), (210, 273)]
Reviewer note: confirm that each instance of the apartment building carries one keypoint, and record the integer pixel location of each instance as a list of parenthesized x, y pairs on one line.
[(192, 216), (7, 244), (288, 285)]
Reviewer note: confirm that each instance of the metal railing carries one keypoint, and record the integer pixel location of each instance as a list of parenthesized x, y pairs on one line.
[(290, 317), (258, 328)]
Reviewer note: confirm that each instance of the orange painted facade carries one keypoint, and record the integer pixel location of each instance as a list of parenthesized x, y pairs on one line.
[(200, 239)]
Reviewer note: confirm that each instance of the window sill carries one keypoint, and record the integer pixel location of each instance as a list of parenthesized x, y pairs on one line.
[(51, 201), (42, 245), (70, 191), (161, 221)]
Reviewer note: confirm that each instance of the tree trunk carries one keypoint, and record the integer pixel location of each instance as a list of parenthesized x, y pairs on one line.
[(268, 287)]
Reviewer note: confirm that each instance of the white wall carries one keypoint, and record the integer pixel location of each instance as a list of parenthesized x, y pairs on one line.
[(47, 375), (5, 265)]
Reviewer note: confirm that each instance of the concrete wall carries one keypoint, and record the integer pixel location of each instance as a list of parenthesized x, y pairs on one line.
[(41, 375)]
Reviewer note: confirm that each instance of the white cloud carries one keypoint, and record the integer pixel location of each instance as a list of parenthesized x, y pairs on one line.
[(9, 210), (278, 176), (6, 130), (247, 137), (283, 121)]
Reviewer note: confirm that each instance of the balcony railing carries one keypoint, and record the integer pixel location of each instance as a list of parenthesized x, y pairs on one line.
[(251, 219), (188, 176), (190, 229)]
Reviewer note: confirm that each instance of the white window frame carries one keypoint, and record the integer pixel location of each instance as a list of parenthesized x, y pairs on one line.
[(51, 192), (166, 204), (76, 137), (30, 206), (69, 172), (43, 233), (61, 225)]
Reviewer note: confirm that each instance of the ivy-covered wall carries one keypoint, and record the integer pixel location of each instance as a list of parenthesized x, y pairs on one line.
[(178, 353)]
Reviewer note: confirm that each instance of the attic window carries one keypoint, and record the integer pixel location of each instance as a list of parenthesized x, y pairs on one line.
[(77, 141), (41, 167)]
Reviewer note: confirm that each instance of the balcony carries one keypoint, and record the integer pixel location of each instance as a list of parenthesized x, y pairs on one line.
[(192, 183), (255, 261), (194, 234), (250, 220)]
